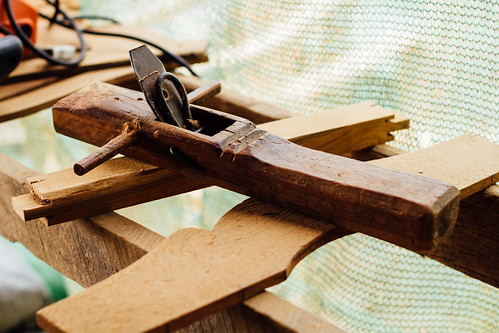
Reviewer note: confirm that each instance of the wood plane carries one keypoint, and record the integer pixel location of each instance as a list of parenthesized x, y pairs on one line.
[(121, 182), (408, 210)]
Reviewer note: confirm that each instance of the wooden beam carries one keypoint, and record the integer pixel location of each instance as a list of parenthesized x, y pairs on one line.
[(92, 249), (253, 246), (62, 196), (472, 247)]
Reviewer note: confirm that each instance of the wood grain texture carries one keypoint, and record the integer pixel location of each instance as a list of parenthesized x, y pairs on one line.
[(90, 250), (473, 246), (455, 156), (194, 273), (407, 210), (62, 196), (341, 130), (15, 89), (85, 250), (121, 182), (46, 95)]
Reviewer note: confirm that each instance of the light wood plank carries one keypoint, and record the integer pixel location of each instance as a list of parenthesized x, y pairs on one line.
[(341, 130), (15, 89), (62, 196), (469, 162), (46, 95), (194, 273)]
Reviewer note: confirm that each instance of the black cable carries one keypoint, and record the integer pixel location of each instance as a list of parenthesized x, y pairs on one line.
[(175, 57), (4, 30), (39, 52)]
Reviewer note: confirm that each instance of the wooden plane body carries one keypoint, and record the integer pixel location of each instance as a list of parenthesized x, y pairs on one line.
[(408, 210)]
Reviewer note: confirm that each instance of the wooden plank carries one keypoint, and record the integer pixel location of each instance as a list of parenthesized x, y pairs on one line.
[(340, 130), (113, 241), (15, 89), (46, 95), (89, 250), (196, 272), (63, 196), (121, 182), (455, 156), (472, 247)]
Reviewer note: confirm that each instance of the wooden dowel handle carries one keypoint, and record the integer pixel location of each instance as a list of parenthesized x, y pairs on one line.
[(204, 92), (104, 153)]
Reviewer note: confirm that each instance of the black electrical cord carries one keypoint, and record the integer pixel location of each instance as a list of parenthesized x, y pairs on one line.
[(4, 31), (179, 59), (38, 51), (175, 57), (69, 22)]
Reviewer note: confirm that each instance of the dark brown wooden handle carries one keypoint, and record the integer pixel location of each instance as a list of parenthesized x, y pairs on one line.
[(104, 153)]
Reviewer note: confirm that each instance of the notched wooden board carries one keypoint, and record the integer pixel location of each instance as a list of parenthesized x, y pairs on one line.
[(252, 247)]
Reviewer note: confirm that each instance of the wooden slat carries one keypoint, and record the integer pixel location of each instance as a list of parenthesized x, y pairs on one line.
[(341, 130), (15, 89), (252, 246), (455, 156), (92, 249), (62, 196), (46, 95), (121, 182)]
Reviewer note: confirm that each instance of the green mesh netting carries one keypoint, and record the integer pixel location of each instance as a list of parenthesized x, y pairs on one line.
[(435, 62)]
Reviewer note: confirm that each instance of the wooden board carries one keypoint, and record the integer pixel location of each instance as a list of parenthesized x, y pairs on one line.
[(89, 250), (455, 156), (121, 182), (349, 134), (194, 273), (473, 247), (62, 196), (252, 246), (16, 89), (45, 96)]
